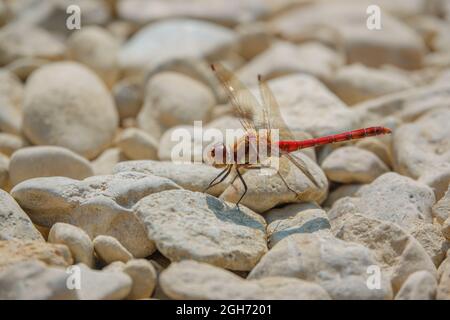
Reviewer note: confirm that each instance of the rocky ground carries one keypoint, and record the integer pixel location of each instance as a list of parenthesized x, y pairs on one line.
[(86, 118)]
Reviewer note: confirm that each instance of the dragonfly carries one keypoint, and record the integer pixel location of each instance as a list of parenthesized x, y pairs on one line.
[(265, 117)]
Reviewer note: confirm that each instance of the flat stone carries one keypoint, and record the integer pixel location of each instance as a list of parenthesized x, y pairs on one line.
[(136, 144), (14, 222), (100, 205), (420, 285), (340, 267), (194, 280), (353, 165), (109, 249), (13, 251), (192, 225), (47, 161), (78, 242)]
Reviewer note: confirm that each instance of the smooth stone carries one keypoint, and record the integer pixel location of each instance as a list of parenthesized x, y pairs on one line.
[(96, 48), (23, 67), (293, 219), (14, 222), (4, 171), (307, 105), (345, 190), (173, 99), (396, 252), (220, 11), (378, 147), (104, 164), (129, 96), (432, 239), (19, 40), (391, 197), (190, 176), (11, 88), (10, 117), (443, 291), (353, 165), (78, 242), (437, 177), (267, 191), (340, 267), (136, 144), (13, 251), (344, 25), (143, 274), (111, 198), (47, 161), (284, 58), (356, 83), (109, 249), (191, 225), (33, 280), (189, 279), (421, 144), (163, 41), (66, 104), (103, 285), (9, 143), (420, 285), (441, 209)]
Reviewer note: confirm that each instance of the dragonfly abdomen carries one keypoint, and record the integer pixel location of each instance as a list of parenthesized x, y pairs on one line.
[(290, 146)]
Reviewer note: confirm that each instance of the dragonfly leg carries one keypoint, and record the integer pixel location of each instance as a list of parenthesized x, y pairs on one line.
[(243, 183), (227, 171), (287, 185)]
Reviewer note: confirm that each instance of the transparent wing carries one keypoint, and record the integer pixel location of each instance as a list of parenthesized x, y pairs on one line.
[(271, 113), (245, 104), (300, 164)]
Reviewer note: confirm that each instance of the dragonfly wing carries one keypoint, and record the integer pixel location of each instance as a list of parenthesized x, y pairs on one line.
[(300, 164), (272, 112), (243, 101)]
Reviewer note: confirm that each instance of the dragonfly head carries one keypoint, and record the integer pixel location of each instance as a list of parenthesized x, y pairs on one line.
[(217, 155)]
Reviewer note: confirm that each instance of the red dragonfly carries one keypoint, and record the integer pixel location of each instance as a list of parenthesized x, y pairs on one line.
[(256, 118)]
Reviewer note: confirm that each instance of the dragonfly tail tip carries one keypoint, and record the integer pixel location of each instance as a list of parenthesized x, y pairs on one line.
[(387, 130)]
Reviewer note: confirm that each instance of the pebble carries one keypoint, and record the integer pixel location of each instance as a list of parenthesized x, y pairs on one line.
[(33, 280), (293, 219), (353, 165), (14, 251), (162, 41), (33, 162), (20, 40), (284, 58), (104, 164), (78, 242), (441, 209), (109, 249), (420, 285), (340, 267), (128, 96), (103, 285), (173, 99), (98, 49), (307, 105), (136, 144), (396, 252), (14, 222), (190, 176), (67, 105), (143, 274), (391, 197), (422, 144), (356, 83), (190, 279), (443, 291), (11, 89), (112, 197), (4, 171), (345, 190), (268, 191), (9, 143), (347, 27), (201, 227)]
